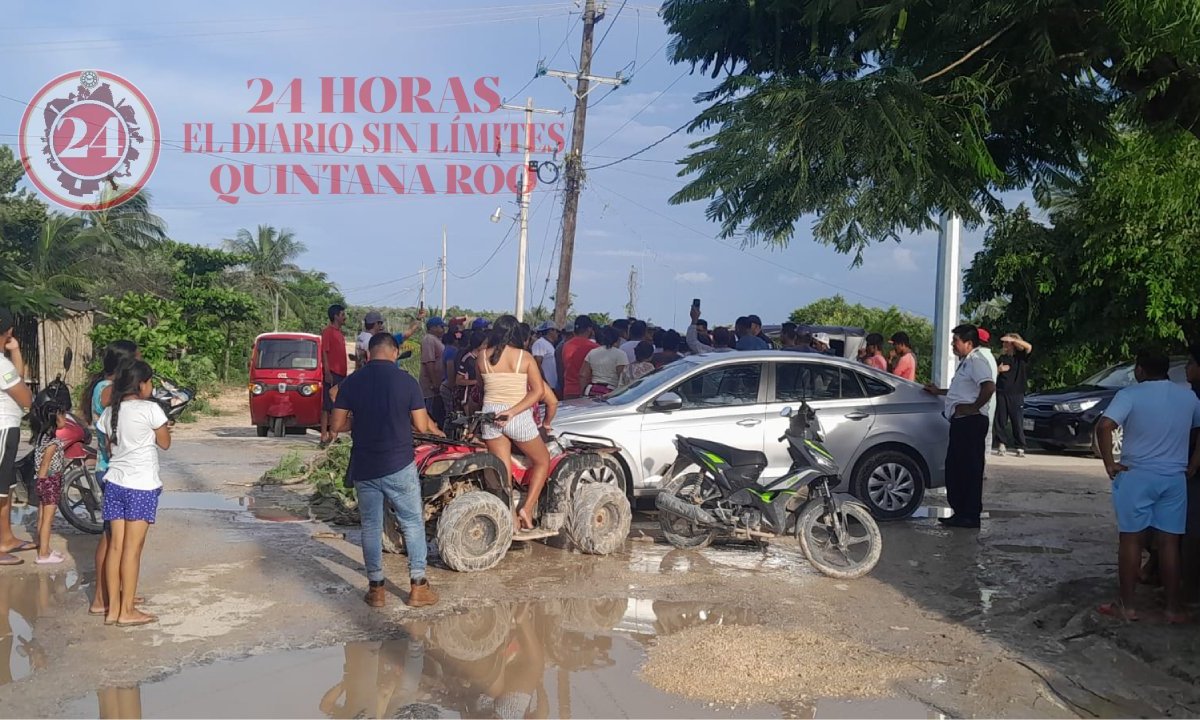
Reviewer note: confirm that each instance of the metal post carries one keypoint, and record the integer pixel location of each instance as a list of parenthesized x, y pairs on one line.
[(949, 299), (526, 188), (444, 311)]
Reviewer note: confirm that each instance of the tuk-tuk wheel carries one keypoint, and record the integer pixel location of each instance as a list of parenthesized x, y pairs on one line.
[(278, 428), (262, 430)]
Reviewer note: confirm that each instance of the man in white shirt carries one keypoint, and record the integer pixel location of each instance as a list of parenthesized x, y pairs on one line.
[(638, 331), (15, 399), (967, 405), (543, 352)]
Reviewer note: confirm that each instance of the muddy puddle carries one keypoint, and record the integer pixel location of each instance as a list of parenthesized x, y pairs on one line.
[(550, 658), (247, 504), (24, 599)]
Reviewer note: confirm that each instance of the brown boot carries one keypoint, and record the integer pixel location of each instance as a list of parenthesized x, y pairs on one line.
[(421, 595), (376, 596)]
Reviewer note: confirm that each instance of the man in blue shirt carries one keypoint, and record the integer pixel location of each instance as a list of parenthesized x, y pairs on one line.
[(386, 404), (1149, 488)]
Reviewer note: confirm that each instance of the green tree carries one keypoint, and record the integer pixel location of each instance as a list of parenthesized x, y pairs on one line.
[(315, 294), (877, 114), (270, 264), (61, 261), (128, 226), (836, 311), (1116, 267)]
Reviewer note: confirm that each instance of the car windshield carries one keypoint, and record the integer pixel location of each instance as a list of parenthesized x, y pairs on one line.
[(650, 384), (280, 354), (1114, 377)]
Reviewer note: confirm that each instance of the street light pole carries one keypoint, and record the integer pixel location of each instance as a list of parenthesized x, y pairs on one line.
[(526, 188), (949, 297)]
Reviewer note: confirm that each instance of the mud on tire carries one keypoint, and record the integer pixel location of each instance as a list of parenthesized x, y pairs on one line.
[(475, 635), (474, 532), (600, 519), (393, 538)]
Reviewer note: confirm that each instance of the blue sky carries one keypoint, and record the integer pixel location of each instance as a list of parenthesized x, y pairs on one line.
[(193, 61)]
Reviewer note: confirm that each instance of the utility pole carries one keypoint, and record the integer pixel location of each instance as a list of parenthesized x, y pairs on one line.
[(421, 296), (526, 189), (574, 161), (631, 308), (443, 263)]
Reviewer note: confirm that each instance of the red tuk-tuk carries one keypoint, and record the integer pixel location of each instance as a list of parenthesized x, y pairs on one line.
[(285, 383)]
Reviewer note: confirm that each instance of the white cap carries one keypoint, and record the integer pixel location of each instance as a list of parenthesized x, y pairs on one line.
[(821, 338)]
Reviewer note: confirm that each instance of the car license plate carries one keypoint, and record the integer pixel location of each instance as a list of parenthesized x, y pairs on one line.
[(282, 387), (1028, 425)]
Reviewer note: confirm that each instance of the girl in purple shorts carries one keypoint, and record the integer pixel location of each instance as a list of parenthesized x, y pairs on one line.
[(135, 427)]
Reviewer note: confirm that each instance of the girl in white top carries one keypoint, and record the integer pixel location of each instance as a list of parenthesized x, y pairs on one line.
[(512, 385), (602, 367), (135, 427)]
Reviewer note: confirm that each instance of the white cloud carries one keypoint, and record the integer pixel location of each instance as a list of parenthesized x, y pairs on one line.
[(695, 278), (903, 259)]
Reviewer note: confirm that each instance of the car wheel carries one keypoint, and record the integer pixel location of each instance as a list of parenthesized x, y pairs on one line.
[(1118, 442), (890, 484), (606, 471)]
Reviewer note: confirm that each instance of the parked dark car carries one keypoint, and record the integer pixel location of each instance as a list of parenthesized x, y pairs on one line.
[(1065, 419)]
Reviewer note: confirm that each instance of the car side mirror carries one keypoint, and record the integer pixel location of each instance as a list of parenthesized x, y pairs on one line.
[(667, 402), (787, 412)]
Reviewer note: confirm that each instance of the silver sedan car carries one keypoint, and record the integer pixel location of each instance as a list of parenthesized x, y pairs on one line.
[(887, 434)]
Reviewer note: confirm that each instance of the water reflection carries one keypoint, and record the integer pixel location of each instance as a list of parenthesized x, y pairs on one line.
[(23, 599), (551, 658)]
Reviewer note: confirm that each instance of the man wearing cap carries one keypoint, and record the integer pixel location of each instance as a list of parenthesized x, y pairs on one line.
[(822, 344), (15, 399), (433, 368), (574, 351), (480, 324), (985, 339), (372, 324), (543, 352)]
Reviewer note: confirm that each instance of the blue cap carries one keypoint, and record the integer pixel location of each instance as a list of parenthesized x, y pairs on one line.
[(435, 322), (480, 324), (545, 327)]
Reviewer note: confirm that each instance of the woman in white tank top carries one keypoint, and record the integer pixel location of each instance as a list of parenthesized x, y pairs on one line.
[(512, 385)]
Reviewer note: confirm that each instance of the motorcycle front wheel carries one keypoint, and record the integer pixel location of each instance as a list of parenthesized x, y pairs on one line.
[(840, 539), (80, 504)]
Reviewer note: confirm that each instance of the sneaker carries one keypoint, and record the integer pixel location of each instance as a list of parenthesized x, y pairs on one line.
[(420, 594), (376, 596), (999, 451), (1020, 453)]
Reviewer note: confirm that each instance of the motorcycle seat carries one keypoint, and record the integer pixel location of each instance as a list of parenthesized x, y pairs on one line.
[(734, 456)]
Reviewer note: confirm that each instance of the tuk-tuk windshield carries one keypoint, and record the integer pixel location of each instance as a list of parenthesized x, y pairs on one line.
[(283, 354)]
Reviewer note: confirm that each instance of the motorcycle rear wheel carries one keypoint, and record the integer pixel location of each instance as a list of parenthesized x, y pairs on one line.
[(846, 558), (78, 504), (681, 532)]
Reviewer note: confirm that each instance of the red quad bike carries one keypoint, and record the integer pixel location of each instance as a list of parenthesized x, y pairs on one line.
[(469, 500)]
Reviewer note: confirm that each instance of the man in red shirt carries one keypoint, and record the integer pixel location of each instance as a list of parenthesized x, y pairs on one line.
[(336, 364), (574, 351), (903, 363)]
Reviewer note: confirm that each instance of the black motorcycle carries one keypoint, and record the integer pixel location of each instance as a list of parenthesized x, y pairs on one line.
[(82, 500), (728, 497)]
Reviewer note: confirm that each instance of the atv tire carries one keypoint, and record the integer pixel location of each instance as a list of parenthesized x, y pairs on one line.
[(393, 539), (474, 532), (600, 519)]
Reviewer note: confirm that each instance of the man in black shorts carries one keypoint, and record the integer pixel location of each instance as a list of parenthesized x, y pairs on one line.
[(14, 401)]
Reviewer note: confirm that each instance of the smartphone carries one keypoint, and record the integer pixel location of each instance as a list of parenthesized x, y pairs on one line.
[(696, 303)]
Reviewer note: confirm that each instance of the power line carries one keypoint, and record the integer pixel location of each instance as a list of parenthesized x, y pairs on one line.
[(381, 284), (608, 29), (639, 112), (639, 152), (503, 242)]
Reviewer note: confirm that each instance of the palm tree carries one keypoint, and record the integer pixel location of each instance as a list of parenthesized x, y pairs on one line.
[(270, 266), (129, 225), (60, 261)]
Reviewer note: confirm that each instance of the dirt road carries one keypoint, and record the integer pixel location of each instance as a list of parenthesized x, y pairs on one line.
[(261, 618)]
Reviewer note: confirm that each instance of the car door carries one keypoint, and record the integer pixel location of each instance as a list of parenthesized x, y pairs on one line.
[(722, 404), (834, 392)]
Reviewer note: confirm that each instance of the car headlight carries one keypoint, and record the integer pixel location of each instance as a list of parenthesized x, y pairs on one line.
[(439, 467), (257, 388), (1077, 406), (308, 390)]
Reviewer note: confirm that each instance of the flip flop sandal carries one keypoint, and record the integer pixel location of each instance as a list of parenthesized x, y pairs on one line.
[(136, 601), (6, 559), (1114, 610), (25, 546), (136, 623)]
